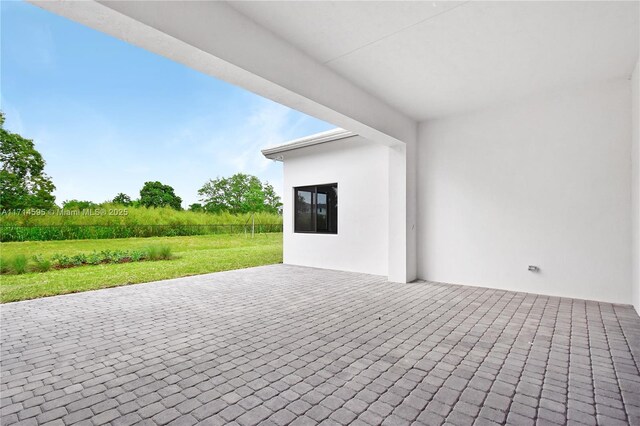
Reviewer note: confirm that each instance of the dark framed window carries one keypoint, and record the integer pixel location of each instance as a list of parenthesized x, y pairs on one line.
[(316, 209)]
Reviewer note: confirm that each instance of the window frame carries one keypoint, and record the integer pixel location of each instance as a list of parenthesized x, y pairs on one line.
[(313, 189)]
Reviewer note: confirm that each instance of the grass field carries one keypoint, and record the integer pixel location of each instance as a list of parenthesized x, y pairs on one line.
[(112, 214), (194, 255), (114, 221)]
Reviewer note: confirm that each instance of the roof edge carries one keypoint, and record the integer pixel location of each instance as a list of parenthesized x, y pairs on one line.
[(315, 139)]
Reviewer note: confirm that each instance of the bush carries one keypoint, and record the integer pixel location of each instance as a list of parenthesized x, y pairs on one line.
[(18, 264), (159, 253), (65, 261), (40, 264), (138, 255), (94, 258), (165, 252), (4, 266)]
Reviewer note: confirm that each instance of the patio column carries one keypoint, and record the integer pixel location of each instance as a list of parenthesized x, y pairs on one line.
[(402, 212)]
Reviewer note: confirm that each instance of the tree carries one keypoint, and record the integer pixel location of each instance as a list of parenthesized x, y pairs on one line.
[(79, 205), (240, 193), (23, 183), (196, 207), (271, 199), (156, 194), (122, 199)]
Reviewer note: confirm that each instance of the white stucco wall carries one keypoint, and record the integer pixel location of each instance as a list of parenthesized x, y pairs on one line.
[(635, 187), (402, 213), (544, 182), (360, 168)]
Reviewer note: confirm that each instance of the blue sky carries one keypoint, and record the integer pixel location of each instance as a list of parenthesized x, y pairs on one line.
[(108, 116)]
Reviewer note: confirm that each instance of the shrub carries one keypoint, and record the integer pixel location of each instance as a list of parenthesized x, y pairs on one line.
[(153, 253), (65, 261), (165, 252), (159, 253), (40, 264), (108, 256), (79, 259), (18, 264), (94, 258), (4, 266), (138, 255), (119, 256)]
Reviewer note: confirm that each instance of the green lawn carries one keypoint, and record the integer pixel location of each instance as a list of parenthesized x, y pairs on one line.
[(194, 255)]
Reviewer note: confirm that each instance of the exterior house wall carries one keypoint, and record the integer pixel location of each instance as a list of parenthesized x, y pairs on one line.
[(635, 187), (544, 182), (360, 168)]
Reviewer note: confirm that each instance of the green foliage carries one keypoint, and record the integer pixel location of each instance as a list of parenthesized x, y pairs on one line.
[(18, 264), (79, 205), (196, 207), (138, 255), (137, 216), (122, 199), (153, 252), (23, 183), (68, 261), (271, 199), (165, 252), (40, 264), (130, 222), (240, 193), (159, 252), (95, 258), (156, 194)]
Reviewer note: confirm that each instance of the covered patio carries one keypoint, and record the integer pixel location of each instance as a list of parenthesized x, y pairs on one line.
[(294, 345)]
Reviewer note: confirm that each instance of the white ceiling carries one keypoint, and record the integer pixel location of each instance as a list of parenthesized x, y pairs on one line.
[(429, 59)]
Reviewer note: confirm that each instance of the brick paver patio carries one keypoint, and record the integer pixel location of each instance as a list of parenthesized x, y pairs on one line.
[(282, 344)]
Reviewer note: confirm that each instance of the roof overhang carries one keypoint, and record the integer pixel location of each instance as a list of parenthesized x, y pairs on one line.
[(276, 152)]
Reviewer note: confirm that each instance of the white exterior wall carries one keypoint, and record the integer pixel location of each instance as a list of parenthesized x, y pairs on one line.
[(545, 182), (402, 213), (360, 168), (635, 187)]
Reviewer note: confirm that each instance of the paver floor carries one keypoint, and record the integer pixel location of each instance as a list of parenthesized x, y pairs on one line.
[(291, 345)]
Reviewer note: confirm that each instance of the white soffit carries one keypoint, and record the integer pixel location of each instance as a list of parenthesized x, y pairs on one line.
[(429, 59)]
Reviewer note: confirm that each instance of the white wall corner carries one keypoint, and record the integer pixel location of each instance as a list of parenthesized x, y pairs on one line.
[(545, 181), (635, 189), (402, 212)]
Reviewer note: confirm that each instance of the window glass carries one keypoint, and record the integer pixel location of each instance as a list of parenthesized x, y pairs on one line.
[(316, 209), (321, 210), (304, 214), (332, 211)]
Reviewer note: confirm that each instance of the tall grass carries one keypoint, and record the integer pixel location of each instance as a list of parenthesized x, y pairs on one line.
[(110, 221), (113, 214), (18, 264), (40, 264), (159, 253)]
